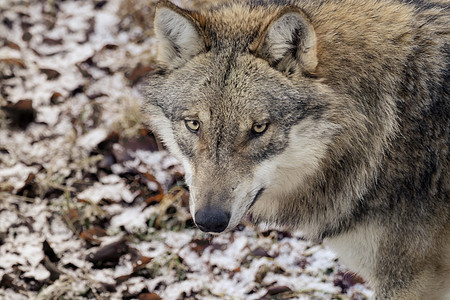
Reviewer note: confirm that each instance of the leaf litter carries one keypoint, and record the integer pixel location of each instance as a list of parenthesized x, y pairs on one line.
[(91, 205)]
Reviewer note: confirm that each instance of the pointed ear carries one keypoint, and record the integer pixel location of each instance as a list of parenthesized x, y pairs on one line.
[(179, 34), (288, 42)]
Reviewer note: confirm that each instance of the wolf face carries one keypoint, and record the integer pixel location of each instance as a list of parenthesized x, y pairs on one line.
[(243, 130), (235, 146)]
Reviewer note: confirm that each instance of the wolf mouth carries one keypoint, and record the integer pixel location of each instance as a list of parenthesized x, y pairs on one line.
[(258, 194)]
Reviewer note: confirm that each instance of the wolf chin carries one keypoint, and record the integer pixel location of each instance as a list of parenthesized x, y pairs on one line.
[(329, 117)]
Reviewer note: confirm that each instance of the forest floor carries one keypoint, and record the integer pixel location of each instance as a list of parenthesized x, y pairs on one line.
[(91, 205)]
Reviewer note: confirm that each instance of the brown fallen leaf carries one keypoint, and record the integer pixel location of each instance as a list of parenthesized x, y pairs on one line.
[(84, 72), (108, 256), (122, 278), (141, 262), (72, 218), (278, 290), (12, 45), (21, 113), (260, 252), (96, 95), (30, 188), (92, 235), (154, 199), (152, 178), (56, 98), (110, 47), (149, 296), (51, 74), (52, 42), (199, 245), (13, 62), (7, 281)]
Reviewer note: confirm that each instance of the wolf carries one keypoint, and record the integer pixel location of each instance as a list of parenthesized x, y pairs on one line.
[(326, 116)]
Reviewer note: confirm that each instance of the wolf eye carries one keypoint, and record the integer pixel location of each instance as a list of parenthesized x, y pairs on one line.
[(259, 128), (192, 125)]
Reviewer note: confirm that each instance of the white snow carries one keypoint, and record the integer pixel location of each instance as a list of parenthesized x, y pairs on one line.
[(133, 218), (48, 114), (177, 240), (92, 138), (16, 175), (115, 192), (7, 218), (39, 273)]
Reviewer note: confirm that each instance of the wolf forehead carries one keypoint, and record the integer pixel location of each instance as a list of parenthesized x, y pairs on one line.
[(229, 82)]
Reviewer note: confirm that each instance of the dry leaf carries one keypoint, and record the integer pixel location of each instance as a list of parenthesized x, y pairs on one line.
[(21, 113), (141, 262), (92, 234), (51, 74), (149, 296), (108, 256), (13, 62)]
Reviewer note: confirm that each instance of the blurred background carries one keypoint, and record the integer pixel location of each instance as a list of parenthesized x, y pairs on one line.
[(91, 205)]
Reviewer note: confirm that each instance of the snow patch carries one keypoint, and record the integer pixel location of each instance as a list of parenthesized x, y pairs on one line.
[(91, 139), (133, 218), (114, 192)]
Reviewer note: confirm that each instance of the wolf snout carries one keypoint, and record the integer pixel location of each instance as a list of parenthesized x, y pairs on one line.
[(211, 219)]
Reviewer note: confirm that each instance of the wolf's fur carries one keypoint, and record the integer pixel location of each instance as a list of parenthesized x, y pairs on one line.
[(356, 98)]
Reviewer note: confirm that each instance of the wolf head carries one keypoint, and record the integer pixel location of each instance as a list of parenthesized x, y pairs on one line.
[(237, 101)]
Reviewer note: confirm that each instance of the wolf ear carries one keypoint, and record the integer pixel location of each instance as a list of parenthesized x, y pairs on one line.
[(179, 34), (288, 42)]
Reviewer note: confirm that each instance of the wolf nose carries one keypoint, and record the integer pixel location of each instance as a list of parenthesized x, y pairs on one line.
[(212, 220)]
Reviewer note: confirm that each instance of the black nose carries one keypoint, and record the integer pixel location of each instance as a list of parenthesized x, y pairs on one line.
[(210, 219)]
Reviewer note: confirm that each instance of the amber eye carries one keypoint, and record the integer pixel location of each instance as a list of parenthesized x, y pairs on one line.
[(192, 125), (259, 128)]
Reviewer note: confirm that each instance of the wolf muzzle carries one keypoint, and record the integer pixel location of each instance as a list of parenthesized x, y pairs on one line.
[(211, 219)]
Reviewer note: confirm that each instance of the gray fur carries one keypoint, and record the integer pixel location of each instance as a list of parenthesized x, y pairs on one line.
[(356, 95)]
